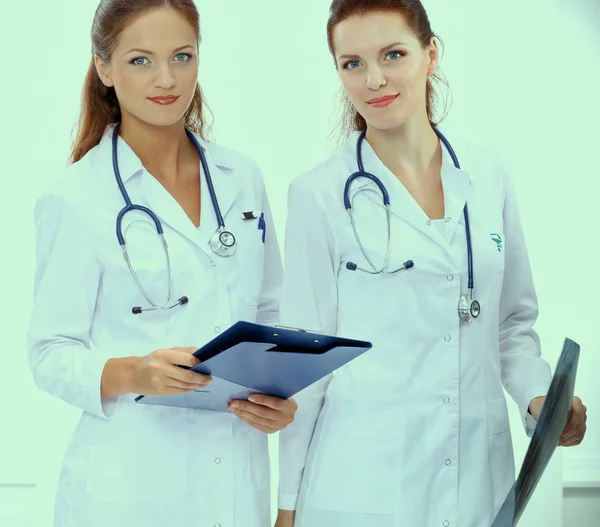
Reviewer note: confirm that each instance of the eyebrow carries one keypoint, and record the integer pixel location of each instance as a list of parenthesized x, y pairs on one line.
[(147, 52), (380, 51)]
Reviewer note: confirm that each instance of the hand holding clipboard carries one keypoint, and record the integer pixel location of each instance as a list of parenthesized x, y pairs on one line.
[(255, 359)]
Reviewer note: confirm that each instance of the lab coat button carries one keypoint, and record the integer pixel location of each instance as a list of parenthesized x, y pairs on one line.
[(448, 220), (217, 329), (212, 263), (450, 277), (446, 400), (428, 222), (448, 462), (217, 525), (447, 338), (217, 460), (446, 523)]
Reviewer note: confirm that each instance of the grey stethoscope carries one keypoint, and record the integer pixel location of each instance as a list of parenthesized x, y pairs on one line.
[(222, 242), (468, 308)]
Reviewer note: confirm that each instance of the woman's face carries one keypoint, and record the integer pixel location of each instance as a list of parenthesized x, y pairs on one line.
[(154, 67), (383, 67)]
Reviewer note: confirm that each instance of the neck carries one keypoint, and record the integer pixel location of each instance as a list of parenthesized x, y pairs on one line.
[(410, 151), (163, 150)]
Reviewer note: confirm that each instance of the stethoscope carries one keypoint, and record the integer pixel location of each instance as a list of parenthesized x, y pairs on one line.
[(468, 308), (222, 242)]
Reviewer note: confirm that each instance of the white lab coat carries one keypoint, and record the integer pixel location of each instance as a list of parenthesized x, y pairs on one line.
[(130, 464), (415, 432)]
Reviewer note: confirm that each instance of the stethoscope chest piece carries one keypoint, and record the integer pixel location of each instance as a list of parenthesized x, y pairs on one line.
[(223, 243), (468, 309)]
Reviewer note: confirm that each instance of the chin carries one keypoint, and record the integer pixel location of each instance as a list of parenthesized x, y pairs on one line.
[(385, 124), (389, 120), (166, 119)]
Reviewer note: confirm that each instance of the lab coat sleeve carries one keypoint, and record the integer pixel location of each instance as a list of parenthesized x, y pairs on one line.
[(525, 375), (268, 308), (67, 276), (309, 300)]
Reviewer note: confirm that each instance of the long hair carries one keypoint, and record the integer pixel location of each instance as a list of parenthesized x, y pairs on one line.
[(99, 104), (416, 17)]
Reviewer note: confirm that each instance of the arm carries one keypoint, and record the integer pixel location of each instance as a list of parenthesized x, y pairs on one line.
[(65, 291), (309, 300), (67, 278), (525, 375)]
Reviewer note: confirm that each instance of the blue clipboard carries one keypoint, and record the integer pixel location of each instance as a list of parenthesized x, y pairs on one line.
[(251, 358), (551, 423)]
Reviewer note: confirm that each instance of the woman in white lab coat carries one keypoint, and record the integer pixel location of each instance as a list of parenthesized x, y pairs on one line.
[(416, 431), (130, 464)]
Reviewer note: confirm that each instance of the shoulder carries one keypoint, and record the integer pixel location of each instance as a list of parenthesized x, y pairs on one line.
[(485, 158), (75, 187), (243, 169), (475, 156), (228, 158), (487, 165), (326, 180)]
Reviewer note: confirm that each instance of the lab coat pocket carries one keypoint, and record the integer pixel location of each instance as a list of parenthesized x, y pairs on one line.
[(142, 464), (354, 469), (500, 450), (250, 258), (487, 238), (492, 242)]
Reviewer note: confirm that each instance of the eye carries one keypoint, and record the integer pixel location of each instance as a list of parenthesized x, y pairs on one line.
[(183, 57), (394, 55), (138, 61), (351, 64)]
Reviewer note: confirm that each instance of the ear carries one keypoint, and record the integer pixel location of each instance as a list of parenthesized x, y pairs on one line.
[(103, 71), (434, 56)]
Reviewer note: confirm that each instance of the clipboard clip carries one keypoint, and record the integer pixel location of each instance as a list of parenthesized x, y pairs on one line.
[(301, 330)]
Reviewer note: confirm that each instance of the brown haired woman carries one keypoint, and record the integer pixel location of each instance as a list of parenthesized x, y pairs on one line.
[(415, 432), (97, 316)]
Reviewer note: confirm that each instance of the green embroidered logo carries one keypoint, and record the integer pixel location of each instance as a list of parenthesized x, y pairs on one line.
[(498, 239)]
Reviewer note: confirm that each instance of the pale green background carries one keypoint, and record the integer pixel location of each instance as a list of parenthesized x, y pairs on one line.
[(524, 78)]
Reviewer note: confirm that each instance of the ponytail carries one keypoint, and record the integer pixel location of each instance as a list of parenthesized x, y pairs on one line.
[(99, 108)]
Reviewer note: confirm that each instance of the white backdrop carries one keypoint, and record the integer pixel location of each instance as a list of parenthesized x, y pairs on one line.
[(524, 78)]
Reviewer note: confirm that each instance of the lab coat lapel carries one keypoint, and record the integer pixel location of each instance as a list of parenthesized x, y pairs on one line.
[(226, 189), (171, 213), (457, 184), (402, 204)]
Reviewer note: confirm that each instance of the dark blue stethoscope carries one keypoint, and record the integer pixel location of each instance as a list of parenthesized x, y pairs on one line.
[(468, 308), (222, 243)]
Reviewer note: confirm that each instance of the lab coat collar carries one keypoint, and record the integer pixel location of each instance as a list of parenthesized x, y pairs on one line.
[(164, 205), (456, 183), (168, 209), (131, 165)]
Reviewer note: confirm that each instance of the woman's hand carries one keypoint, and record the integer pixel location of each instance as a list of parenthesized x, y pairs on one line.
[(264, 412), (155, 374), (285, 518), (159, 373), (574, 432)]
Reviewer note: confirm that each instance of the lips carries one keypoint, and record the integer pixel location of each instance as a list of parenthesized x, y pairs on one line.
[(164, 99), (382, 100)]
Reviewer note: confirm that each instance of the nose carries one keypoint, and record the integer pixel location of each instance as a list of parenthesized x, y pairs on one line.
[(375, 78), (164, 78)]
